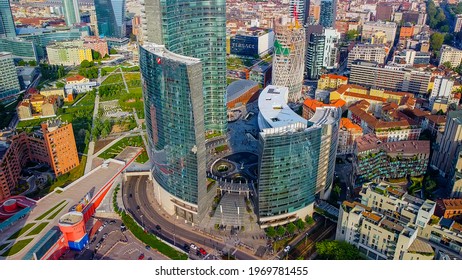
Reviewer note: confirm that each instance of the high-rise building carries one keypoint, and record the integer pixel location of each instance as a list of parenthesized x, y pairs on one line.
[(315, 55), (196, 29), (174, 108), (450, 55), (368, 52), (458, 24), (7, 28), (332, 37), (288, 180), (71, 12), (447, 144), (300, 9), (110, 15), (328, 13), (9, 82), (289, 56)]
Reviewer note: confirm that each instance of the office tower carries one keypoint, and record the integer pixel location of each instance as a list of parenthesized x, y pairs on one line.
[(300, 9), (9, 82), (332, 37), (7, 28), (447, 144), (174, 107), (328, 13), (196, 29), (71, 12), (315, 55), (295, 157), (289, 56), (110, 15)]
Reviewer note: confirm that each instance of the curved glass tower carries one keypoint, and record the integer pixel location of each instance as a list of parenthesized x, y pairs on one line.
[(7, 28), (172, 87), (196, 29), (110, 15)]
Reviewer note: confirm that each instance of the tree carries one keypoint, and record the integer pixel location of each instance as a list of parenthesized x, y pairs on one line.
[(309, 220), (351, 35), (21, 63), (447, 64), (96, 55), (112, 51), (271, 232), (300, 224), (106, 56), (337, 250), (59, 85), (436, 41), (280, 231), (291, 228), (32, 63), (61, 71)]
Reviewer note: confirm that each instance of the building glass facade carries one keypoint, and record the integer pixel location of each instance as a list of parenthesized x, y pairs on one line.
[(20, 49), (315, 55), (327, 13), (173, 99), (71, 12), (110, 15), (9, 82), (7, 28), (196, 29)]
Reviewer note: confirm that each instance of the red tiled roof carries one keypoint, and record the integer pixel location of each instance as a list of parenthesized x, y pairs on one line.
[(75, 78)]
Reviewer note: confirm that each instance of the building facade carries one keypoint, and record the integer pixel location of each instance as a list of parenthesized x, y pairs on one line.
[(300, 9), (371, 27), (331, 55), (71, 12), (289, 57), (110, 15), (368, 52), (347, 135), (450, 55), (176, 134), (9, 82), (315, 55), (166, 23), (328, 13), (68, 53), (331, 81), (7, 28), (458, 24), (302, 175)]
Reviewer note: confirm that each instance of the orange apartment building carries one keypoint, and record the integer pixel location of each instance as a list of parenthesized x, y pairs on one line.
[(449, 208), (96, 44), (54, 145)]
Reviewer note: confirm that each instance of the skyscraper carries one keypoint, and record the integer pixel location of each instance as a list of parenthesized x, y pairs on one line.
[(110, 15), (315, 55), (7, 28), (289, 56), (196, 29), (71, 12), (328, 13), (9, 83), (301, 9), (174, 107)]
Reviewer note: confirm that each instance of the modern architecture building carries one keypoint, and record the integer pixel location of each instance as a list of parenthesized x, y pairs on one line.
[(448, 144), (411, 57), (68, 53), (328, 13), (450, 55), (174, 109), (374, 159), (315, 55), (254, 42), (239, 92), (442, 88), (110, 16), (289, 56), (386, 224), (71, 12), (195, 29), (300, 9), (372, 75), (331, 55), (288, 180), (7, 28), (19, 48), (9, 82), (368, 52)]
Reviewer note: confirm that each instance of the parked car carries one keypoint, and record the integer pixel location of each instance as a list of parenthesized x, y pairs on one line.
[(194, 247), (287, 249), (141, 257), (158, 227), (186, 247), (203, 252)]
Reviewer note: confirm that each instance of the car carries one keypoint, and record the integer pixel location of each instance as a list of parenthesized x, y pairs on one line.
[(202, 251), (148, 247), (141, 257), (286, 249), (112, 222), (138, 207), (122, 227), (105, 235), (186, 247), (158, 227), (192, 246), (98, 246), (100, 228)]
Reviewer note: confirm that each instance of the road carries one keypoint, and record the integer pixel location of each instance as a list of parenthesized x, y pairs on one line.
[(135, 194)]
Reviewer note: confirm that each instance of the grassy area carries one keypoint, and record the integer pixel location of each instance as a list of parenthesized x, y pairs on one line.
[(118, 147), (57, 212), (41, 217), (133, 100), (221, 148), (71, 176), (110, 69), (18, 246), (37, 229), (132, 76), (113, 79), (30, 125), (21, 231), (131, 69), (212, 135), (143, 157)]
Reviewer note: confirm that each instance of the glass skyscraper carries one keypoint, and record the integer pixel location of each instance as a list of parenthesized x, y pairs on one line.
[(296, 157), (328, 13), (71, 12), (196, 29), (110, 15), (172, 87), (315, 55), (7, 28)]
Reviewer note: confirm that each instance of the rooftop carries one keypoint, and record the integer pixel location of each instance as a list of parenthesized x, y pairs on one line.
[(75, 78), (161, 51), (452, 203), (71, 218), (349, 125), (239, 87)]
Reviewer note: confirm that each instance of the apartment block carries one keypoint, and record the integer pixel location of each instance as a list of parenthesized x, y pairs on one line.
[(371, 27), (451, 55), (331, 81), (368, 52), (68, 53), (347, 135), (96, 44)]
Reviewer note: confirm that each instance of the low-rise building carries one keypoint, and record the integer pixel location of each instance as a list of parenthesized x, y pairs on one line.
[(68, 53), (451, 55), (368, 52), (310, 106), (331, 81), (79, 84), (97, 44), (449, 208), (347, 134), (374, 159)]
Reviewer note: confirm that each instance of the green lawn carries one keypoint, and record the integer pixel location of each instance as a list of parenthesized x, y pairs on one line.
[(21, 231), (110, 69), (37, 229), (49, 211), (30, 125), (136, 90), (71, 176), (56, 213), (143, 157), (18, 246), (132, 76), (131, 69), (114, 78), (118, 147)]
